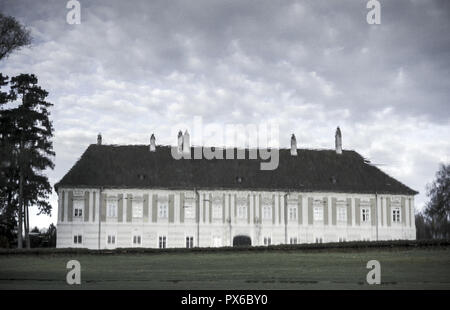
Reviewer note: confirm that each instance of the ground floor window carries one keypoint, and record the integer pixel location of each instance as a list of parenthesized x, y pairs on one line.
[(137, 240), (319, 240), (189, 242), (162, 242), (293, 240), (267, 241), (111, 239), (77, 239), (342, 239)]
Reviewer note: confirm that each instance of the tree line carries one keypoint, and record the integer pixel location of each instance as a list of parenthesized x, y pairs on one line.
[(434, 221)]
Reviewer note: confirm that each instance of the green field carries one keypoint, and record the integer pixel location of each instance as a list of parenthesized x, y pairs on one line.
[(415, 268)]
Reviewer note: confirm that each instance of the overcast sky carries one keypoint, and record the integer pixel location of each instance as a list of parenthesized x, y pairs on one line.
[(136, 67)]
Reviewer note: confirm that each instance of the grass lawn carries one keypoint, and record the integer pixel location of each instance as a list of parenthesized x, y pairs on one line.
[(416, 268)]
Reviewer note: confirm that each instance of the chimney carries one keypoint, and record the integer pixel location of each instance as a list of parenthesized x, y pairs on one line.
[(186, 144), (293, 145), (152, 143), (338, 141), (180, 141), (99, 139)]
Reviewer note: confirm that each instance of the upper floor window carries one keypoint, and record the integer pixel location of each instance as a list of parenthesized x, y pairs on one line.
[(293, 213), (365, 215), (162, 211), (267, 212), (242, 212), (217, 211), (318, 213), (78, 208), (396, 215), (189, 211), (342, 214), (112, 208), (138, 208)]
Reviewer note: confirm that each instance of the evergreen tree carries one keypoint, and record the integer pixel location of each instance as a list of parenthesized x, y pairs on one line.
[(27, 131)]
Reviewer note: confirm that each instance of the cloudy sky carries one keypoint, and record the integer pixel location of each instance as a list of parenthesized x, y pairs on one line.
[(136, 67)]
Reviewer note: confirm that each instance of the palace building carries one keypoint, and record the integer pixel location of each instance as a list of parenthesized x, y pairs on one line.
[(119, 196)]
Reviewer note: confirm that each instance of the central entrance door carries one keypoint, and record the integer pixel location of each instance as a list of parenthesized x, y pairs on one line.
[(242, 241)]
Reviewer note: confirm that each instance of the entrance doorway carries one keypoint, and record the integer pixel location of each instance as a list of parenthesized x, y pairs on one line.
[(242, 241)]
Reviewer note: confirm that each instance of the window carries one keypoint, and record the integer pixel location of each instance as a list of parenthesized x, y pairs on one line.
[(162, 242), (162, 211), (267, 212), (318, 214), (342, 214), (137, 240), (112, 208), (396, 215), (342, 239), (189, 211), (138, 209), (242, 212), (111, 239), (293, 213), (267, 241), (293, 240), (77, 239), (78, 208), (189, 242), (365, 215), (217, 211), (319, 239)]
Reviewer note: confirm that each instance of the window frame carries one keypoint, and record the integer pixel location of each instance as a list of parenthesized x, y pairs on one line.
[(189, 242), (78, 208), (164, 241), (395, 210), (365, 216), (292, 213), (163, 211), (315, 218)]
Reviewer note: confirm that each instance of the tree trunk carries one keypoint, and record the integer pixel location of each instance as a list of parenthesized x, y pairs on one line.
[(20, 221), (27, 227)]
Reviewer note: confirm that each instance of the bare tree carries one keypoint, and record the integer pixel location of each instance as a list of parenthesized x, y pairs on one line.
[(13, 35)]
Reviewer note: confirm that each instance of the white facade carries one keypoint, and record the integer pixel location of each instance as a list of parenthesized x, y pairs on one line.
[(152, 218)]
